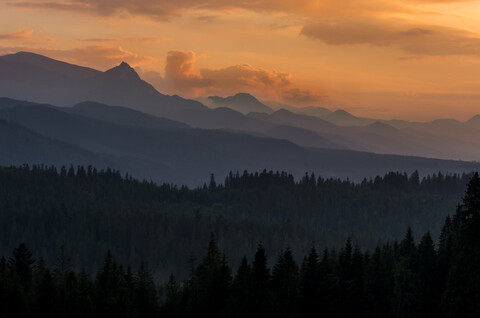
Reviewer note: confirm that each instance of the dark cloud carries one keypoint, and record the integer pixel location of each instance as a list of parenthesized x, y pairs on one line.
[(165, 9), (421, 40)]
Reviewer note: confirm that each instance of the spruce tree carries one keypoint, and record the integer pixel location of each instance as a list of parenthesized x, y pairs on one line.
[(428, 286), (462, 297), (285, 286), (261, 283)]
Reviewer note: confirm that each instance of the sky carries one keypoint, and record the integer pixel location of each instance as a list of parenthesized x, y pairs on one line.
[(406, 59)]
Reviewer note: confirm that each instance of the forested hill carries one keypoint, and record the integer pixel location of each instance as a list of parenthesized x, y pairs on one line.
[(89, 212), (399, 279)]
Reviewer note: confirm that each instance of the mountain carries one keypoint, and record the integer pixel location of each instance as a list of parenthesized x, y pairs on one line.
[(316, 111), (438, 139), (27, 76), (20, 145), (188, 156), (474, 122), (241, 102), (30, 76), (311, 111), (286, 117), (123, 115), (341, 117), (220, 118), (444, 129), (9, 103), (301, 137)]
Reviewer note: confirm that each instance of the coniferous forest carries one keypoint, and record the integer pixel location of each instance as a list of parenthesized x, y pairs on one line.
[(80, 214), (396, 279)]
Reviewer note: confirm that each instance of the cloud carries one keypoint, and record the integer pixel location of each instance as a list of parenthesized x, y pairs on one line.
[(415, 39), (95, 56), (299, 96), (25, 36), (181, 74), (99, 56), (166, 9), (134, 40), (17, 35)]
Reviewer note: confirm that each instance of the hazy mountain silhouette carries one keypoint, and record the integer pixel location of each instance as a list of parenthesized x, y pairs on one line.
[(241, 102), (189, 155), (301, 137), (123, 115), (34, 77), (475, 119), (444, 129), (221, 118), (434, 139), (9, 103), (341, 117), (20, 145), (29, 76), (316, 111), (311, 111), (286, 117)]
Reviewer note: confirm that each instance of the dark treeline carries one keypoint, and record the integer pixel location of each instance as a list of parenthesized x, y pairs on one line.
[(401, 279), (89, 212)]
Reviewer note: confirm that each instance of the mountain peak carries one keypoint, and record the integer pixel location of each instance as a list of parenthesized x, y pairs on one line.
[(123, 71), (245, 96), (241, 102), (342, 112), (475, 119), (239, 97)]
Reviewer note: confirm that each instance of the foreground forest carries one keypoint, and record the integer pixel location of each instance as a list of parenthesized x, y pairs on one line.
[(79, 214), (398, 279)]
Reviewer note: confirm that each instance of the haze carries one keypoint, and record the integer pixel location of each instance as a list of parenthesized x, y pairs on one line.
[(414, 60)]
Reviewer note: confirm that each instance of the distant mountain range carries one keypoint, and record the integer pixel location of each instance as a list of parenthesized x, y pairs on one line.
[(38, 78), (241, 102), (116, 119), (165, 151)]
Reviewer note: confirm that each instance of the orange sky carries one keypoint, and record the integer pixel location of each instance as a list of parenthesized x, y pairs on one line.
[(409, 59)]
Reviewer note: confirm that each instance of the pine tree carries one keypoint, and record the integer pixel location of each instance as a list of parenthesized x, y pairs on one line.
[(285, 286), (405, 278), (212, 185), (462, 297), (379, 289), (209, 284), (428, 286), (446, 251), (145, 295), (22, 263), (242, 299), (172, 306), (310, 283), (46, 296), (261, 283), (110, 290), (86, 295)]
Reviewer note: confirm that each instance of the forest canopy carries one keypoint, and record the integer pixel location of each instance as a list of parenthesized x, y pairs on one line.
[(82, 213), (398, 279)]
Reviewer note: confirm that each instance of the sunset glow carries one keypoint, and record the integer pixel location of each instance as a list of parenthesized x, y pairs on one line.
[(415, 59)]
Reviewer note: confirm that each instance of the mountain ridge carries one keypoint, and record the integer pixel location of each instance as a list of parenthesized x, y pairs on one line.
[(30, 76), (241, 102), (187, 156)]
